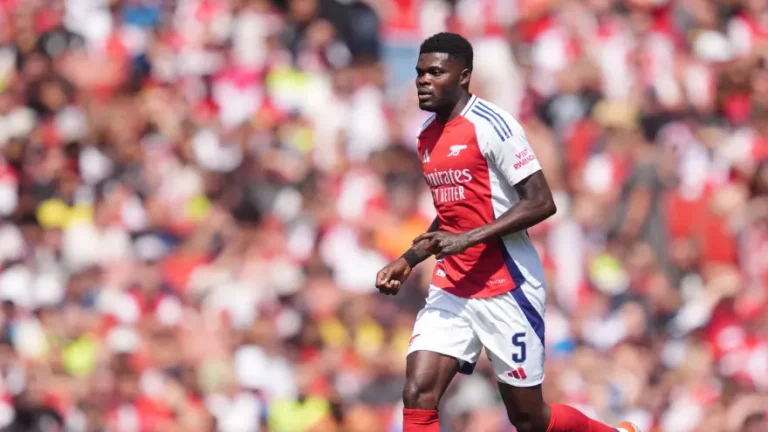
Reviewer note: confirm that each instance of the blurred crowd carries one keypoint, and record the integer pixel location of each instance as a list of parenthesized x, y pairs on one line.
[(196, 195)]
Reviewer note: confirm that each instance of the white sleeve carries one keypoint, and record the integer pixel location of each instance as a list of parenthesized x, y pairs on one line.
[(513, 157)]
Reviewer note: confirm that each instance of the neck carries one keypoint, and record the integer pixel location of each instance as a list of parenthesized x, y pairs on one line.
[(452, 113)]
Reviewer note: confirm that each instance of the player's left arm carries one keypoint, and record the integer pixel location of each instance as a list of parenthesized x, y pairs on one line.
[(536, 204), (516, 161)]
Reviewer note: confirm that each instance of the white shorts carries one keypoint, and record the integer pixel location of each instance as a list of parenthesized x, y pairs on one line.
[(510, 326)]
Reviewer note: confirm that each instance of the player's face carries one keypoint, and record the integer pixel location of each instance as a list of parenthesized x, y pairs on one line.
[(439, 81)]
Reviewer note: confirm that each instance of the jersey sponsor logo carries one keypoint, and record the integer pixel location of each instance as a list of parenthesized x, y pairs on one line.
[(456, 149), (523, 158), (448, 177), (447, 186), (447, 194)]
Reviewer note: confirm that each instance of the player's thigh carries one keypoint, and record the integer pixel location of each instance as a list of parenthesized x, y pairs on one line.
[(427, 376), (443, 342), (444, 327), (511, 327)]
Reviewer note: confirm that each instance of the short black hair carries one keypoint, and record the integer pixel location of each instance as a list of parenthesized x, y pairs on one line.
[(452, 44)]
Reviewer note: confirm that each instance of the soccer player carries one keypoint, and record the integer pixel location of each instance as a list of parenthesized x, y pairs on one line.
[(488, 287)]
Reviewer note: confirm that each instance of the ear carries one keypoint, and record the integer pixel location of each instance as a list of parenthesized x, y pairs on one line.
[(465, 77)]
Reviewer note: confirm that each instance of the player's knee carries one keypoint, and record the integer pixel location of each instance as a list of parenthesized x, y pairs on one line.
[(528, 422), (420, 393), (523, 425)]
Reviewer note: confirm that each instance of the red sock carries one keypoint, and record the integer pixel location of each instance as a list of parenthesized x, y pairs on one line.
[(568, 419), (415, 420)]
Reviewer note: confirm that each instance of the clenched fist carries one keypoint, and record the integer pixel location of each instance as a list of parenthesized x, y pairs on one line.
[(390, 278)]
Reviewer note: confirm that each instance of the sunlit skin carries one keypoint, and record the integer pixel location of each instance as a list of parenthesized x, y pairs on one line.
[(442, 85)]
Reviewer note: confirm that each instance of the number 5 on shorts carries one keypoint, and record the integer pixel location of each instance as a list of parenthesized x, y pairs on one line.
[(518, 340)]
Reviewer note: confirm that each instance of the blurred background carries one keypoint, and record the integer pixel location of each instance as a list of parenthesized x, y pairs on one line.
[(196, 195)]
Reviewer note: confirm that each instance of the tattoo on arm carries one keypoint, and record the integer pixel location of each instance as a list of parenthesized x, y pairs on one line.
[(418, 252)]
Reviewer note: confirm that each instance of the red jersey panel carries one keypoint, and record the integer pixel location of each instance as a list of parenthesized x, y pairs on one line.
[(471, 165)]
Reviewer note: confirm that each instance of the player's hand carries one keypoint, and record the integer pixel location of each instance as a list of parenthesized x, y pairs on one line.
[(390, 278), (443, 244)]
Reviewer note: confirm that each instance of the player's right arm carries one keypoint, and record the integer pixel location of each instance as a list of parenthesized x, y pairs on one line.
[(390, 278)]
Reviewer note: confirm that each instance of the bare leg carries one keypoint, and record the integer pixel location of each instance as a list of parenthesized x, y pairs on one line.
[(526, 408), (529, 413), (427, 375)]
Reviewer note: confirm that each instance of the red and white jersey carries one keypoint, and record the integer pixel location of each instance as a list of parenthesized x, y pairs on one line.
[(471, 164)]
